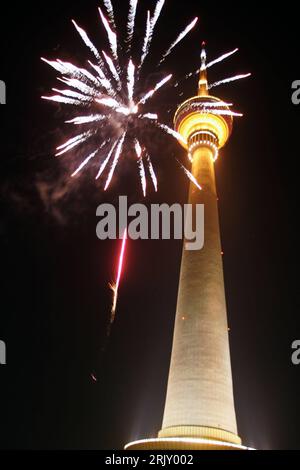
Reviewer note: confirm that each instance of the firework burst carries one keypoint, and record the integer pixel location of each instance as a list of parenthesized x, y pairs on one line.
[(110, 93)]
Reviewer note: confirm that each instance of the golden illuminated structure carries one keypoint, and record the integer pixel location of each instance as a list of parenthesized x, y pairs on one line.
[(199, 409)]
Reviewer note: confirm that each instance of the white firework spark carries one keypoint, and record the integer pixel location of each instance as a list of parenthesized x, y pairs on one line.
[(216, 107), (61, 99), (151, 116), (71, 143), (138, 148), (229, 80), (155, 89), (152, 173), (78, 85), (116, 106), (139, 153), (213, 104), (87, 160), (87, 119), (146, 42), (224, 112), (221, 58), (73, 94), (84, 163), (190, 176), (131, 21), (113, 95), (143, 175), (109, 102), (87, 41), (105, 162), (181, 36), (115, 161), (82, 76), (150, 28), (171, 132), (113, 70), (112, 36), (156, 15), (130, 80), (110, 12)]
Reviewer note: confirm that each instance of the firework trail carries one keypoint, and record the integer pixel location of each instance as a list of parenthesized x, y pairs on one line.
[(87, 160), (154, 20), (115, 161), (113, 70), (105, 162), (112, 37), (213, 104), (171, 132), (110, 12), (130, 80), (79, 139), (112, 96), (143, 175), (190, 176), (139, 153), (224, 112), (152, 173), (221, 58), (131, 20), (179, 39), (87, 119), (87, 41), (150, 28), (146, 40), (115, 287), (215, 108), (229, 80), (84, 163), (155, 89), (150, 116), (115, 290)]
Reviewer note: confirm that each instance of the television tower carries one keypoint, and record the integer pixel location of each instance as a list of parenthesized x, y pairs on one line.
[(199, 410)]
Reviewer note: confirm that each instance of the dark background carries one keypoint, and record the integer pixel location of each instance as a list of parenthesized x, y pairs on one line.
[(55, 299)]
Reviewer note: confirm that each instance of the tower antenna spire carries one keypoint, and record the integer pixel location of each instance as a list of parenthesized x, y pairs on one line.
[(203, 84)]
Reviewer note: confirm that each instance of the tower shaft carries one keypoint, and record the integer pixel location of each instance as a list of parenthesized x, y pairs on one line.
[(199, 399)]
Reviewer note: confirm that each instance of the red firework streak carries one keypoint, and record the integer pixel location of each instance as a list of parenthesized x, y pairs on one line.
[(115, 287)]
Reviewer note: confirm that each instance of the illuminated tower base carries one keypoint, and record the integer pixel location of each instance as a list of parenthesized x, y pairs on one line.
[(199, 410)]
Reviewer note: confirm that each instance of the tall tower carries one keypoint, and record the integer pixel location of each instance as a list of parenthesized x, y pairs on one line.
[(199, 410)]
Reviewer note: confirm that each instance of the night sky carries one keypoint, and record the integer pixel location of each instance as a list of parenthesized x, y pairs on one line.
[(55, 300)]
